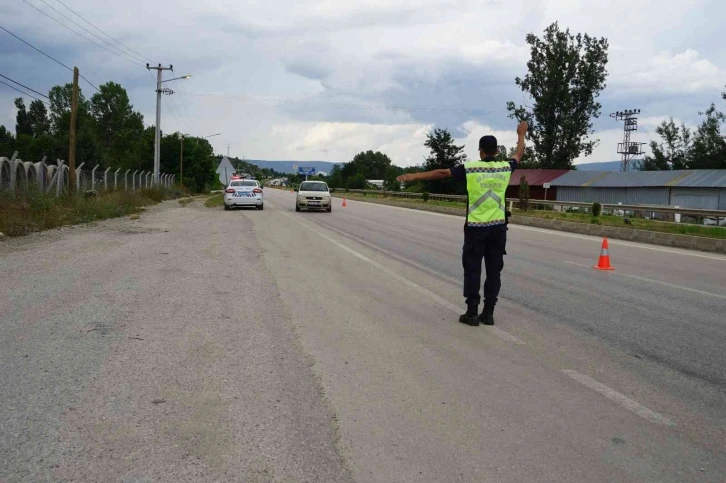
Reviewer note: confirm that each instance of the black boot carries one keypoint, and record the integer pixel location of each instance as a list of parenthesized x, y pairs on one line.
[(470, 318), (487, 316)]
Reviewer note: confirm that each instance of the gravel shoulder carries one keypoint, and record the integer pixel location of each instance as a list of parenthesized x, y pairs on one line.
[(155, 350)]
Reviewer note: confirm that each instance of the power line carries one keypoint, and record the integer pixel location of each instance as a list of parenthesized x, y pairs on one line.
[(77, 33), (104, 33), (24, 93), (35, 48), (51, 58), (24, 86), (279, 100), (181, 95)]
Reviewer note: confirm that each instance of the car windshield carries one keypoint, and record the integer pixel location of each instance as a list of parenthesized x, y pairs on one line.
[(242, 183), (313, 187)]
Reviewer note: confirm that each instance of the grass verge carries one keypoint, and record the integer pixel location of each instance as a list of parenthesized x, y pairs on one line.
[(33, 212), (606, 220), (214, 201)]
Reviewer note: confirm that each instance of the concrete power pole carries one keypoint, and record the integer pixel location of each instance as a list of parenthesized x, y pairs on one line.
[(72, 136), (181, 161), (157, 146)]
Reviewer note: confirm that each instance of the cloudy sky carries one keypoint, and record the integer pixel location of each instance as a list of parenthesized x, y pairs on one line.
[(323, 80)]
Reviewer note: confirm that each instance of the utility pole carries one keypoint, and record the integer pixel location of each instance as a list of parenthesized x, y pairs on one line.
[(72, 136), (181, 160), (157, 146), (228, 150), (628, 150)]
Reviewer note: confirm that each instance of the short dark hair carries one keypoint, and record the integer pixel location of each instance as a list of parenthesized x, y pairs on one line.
[(488, 144)]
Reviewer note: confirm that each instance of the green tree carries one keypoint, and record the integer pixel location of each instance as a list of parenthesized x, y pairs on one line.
[(708, 150), (118, 126), (7, 142), (369, 164), (38, 118), (523, 193), (566, 74), (22, 122), (444, 154), (673, 152), (335, 179)]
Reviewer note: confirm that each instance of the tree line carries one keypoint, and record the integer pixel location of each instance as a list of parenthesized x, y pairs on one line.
[(565, 76), (109, 132)]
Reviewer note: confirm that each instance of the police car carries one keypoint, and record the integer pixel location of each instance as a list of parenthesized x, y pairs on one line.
[(243, 192)]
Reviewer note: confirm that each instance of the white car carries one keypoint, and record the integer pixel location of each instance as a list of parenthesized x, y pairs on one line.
[(243, 192), (313, 195)]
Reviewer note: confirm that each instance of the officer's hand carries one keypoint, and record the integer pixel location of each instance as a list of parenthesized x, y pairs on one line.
[(401, 178), (522, 128)]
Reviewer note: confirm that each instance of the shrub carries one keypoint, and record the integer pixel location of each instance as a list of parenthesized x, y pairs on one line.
[(596, 209), (425, 196)]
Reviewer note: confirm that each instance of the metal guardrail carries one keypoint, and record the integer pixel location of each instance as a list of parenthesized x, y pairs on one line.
[(564, 204)]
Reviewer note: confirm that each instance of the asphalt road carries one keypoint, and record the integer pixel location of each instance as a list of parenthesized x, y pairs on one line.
[(201, 345)]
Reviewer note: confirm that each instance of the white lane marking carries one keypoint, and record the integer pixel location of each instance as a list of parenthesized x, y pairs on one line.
[(621, 399), (666, 284), (613, 241), (441, 301)]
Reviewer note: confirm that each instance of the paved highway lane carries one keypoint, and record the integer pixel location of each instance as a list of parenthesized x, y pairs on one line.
[(662, 304), (202, 345)]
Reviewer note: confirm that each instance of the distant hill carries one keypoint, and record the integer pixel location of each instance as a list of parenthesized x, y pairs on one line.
[(287, 166), (603, 166)]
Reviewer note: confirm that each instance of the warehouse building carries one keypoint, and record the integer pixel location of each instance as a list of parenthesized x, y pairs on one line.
[(537, 179), (701, 189)]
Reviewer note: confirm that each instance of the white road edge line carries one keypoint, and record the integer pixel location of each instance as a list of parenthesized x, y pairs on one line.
[(666, 284), (441, 301), (621, 399), (613, 241)]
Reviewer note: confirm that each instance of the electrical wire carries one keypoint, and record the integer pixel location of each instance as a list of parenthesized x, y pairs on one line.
[(77, 33), (24, 93), (24, 86), (279, 100), (184, 103), (104, 33), (51, 58)]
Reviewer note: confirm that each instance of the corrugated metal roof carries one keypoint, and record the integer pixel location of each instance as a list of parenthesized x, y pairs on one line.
[(579, 178), (703, 178), (638, 179), (536, 177), (698, 178)]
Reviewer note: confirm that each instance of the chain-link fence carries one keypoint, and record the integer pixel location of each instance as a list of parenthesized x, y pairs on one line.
[(18, 176)]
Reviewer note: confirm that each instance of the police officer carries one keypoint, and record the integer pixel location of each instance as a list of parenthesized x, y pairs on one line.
[(485, 230)]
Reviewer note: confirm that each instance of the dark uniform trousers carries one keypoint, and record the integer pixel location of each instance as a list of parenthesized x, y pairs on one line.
[(488, 243)]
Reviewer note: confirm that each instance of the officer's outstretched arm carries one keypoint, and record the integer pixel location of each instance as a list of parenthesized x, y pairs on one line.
[(426, 176)]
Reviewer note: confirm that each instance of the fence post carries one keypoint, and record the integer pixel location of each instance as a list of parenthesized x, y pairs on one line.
[(105, 179), (133, 180), (93, 178), (59, 180), (148, 175), (126, 180), (173, 176), (78, 178), (13, 173), (115, 179)]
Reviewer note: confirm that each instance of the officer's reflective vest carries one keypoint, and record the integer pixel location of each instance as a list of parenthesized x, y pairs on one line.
[(486, 182)]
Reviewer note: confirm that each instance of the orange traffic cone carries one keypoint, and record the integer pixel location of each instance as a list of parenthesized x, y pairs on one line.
[(345, 203), (604, 261)]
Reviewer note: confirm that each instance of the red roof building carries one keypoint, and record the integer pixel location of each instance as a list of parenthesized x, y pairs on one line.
[(536, 178)]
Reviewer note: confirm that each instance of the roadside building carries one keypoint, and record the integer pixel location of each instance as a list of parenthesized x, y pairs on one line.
[(703, 189), (537, 180)]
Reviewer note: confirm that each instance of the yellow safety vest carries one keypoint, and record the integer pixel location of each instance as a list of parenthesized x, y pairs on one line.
[(486, 183)]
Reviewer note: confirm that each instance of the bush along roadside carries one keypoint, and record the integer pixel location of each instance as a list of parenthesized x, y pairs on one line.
[(33, 212)]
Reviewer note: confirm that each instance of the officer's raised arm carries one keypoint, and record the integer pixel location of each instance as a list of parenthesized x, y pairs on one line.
[(521, 131), (426, 176)]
